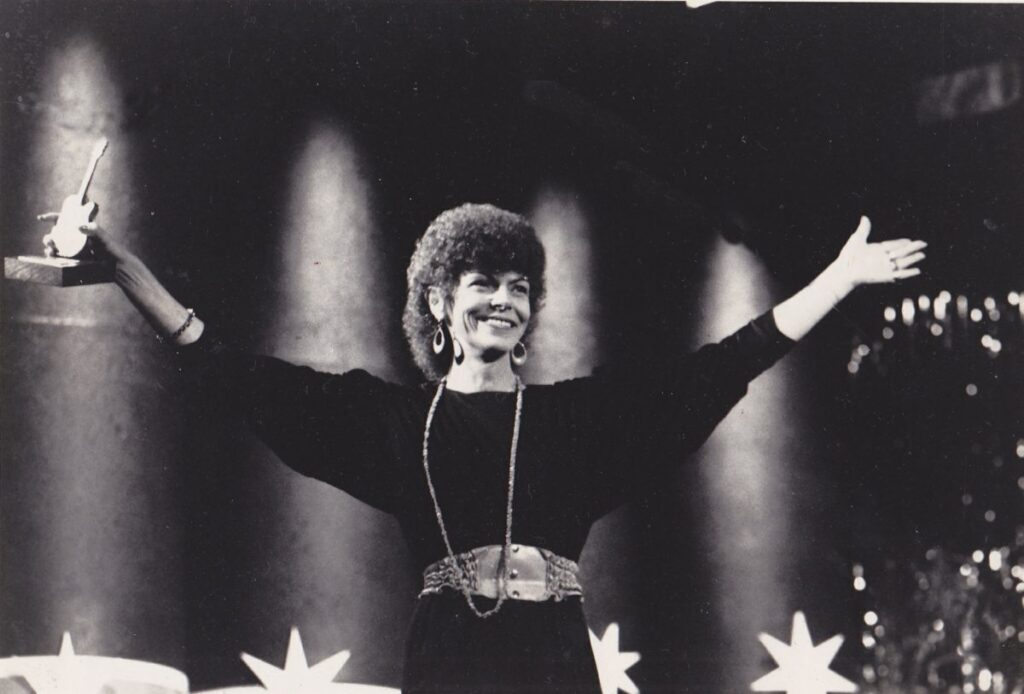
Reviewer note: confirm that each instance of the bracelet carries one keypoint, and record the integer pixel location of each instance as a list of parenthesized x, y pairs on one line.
[(184, 326)]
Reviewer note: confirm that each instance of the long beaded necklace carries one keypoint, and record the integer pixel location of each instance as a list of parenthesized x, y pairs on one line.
[(463, 579)]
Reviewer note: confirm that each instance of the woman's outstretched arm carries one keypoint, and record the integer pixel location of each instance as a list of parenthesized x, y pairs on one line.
[(143, 289), (327, 426), (859, 262)]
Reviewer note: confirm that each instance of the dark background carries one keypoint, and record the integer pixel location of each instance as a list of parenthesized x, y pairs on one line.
[(772, 125)]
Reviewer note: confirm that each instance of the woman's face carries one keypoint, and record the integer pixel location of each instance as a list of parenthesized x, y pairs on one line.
[(490, 311)]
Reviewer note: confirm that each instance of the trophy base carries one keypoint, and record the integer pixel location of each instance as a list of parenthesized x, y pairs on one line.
[(58, 272)]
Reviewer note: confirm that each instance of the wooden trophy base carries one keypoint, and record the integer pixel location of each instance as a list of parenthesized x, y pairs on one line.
[(58, 272)]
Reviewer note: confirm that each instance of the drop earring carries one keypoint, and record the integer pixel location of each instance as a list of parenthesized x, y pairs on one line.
[(518, 354), (457, 353), (439, 341)]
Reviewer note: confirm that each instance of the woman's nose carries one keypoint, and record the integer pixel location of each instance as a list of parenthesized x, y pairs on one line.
[(500, 297)]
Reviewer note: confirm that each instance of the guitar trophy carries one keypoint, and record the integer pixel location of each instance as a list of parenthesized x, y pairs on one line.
[(70, 258)]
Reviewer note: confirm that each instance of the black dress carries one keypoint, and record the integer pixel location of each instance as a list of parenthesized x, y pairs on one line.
[(584, 445)]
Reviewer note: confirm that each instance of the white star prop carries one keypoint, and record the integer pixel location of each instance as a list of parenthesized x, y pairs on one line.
[(69, 673), (65, 673), (297, 677), (803, 667), (611, 663)]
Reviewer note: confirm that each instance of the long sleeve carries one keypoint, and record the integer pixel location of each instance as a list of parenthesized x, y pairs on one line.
[(649, 418), (331, 427)]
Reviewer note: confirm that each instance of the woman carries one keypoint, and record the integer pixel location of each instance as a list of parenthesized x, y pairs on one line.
[(495, 485)]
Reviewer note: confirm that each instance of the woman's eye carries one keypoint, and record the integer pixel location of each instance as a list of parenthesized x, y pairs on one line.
[(521, 289)]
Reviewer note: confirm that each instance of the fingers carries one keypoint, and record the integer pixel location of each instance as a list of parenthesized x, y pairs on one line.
[(863, 229), (49, 247), (907, 261), (903, 274), (902, 247), (105, 243), (887, 261), (95, 232), (48, 216)]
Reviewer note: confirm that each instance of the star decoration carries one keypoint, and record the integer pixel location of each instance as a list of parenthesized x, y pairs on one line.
[(297, 677), (612, 663), (65, 673), (803, 667)]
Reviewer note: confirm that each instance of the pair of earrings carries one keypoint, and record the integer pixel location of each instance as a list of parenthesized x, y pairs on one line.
[(518, 355)]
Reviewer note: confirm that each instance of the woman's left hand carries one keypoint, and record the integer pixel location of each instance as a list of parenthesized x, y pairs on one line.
[(872, 263)]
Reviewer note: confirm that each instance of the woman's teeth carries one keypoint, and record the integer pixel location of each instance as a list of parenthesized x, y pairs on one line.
[(499, 322)]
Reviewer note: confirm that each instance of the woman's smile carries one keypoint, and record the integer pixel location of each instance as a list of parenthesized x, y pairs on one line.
[(499, 322)]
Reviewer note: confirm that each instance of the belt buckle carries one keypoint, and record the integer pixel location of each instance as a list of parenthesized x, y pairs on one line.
[(524, 576)]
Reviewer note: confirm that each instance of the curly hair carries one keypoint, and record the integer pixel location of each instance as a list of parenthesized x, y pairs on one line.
[(468, 237)]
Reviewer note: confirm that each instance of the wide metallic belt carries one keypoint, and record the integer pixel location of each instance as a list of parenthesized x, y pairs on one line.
[(529, 573)]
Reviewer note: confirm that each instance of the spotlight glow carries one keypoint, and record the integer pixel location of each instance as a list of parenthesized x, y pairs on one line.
[(96, 509), (566, 339), (334, 290), (743, 475), (331, 310)]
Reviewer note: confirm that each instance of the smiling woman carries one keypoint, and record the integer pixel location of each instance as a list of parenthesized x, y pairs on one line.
[(495, 485), (469, 259)]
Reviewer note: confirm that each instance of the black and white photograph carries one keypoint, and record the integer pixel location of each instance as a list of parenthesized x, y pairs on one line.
[(511, 347)]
